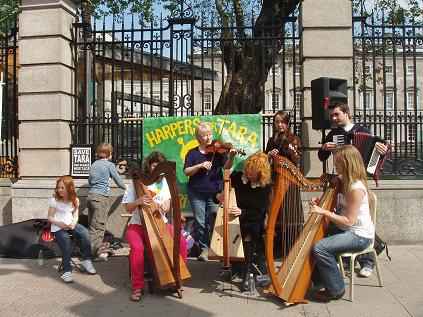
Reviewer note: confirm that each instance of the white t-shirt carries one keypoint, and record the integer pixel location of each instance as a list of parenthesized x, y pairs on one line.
[(64, 212), (364, 226), (162, 194)]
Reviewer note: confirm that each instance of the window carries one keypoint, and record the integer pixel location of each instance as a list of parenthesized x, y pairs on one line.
[(388, 69), (410, 69), (275, 71), (410, 101), (298, 100), (275, 101), (297, 70), (207, 102), (368, 101), (368, 69), (411, 132), (389, 98)]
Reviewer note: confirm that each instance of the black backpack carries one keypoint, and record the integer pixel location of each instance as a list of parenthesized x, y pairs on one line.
[(381, 245)]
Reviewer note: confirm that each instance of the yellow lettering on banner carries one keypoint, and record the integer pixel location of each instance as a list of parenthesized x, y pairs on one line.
[(181, 128), (173, 127), (188, 126), (183, 200), (220, 124), (242, 132), (195, 122), (232, 130), (160, 136), (151, 138), (252, 139), (166, 131)]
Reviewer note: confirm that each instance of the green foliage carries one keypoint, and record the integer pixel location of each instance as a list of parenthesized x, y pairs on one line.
[(393, 11), (8, 7)]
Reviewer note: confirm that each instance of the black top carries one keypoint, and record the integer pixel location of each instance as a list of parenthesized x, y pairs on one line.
[(205, 181), (348, 136), (282, 145), (252, 201)]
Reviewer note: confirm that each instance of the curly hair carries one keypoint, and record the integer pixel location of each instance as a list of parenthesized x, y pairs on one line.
[(70, 189), (259, 162)]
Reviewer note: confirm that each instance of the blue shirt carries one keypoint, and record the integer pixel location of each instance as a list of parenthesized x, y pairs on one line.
[(100, 173), (205, 181)]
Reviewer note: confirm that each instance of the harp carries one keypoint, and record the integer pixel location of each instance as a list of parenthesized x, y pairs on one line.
[(226, 241), (291, 272), (169, 268)]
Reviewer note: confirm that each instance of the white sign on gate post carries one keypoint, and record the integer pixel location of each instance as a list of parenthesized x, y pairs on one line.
[(81, 160)]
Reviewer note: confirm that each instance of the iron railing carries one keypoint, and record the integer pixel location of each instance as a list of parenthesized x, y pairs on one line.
[(387, 86), (176, 66), (9, 96)]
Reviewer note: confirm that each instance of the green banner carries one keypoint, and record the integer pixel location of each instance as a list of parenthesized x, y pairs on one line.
[(175, 136)]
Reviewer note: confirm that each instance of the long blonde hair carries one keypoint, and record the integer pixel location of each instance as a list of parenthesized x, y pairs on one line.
[(351, 165), (259, 162)]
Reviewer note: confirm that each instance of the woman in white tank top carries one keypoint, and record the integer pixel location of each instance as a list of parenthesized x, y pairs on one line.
[(354, 229)]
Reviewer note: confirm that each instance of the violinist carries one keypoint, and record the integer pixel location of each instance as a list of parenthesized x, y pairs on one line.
[(203, 165), (286, 144)]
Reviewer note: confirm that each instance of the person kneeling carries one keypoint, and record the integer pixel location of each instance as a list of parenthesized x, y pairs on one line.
[(252, 189), (353, 230)]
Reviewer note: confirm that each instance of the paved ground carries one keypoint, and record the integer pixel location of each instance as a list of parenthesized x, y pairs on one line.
[(30, 289)]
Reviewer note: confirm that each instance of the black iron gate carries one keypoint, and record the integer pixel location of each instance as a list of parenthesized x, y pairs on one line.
[(388, 84), (127, 70), (9, 96)]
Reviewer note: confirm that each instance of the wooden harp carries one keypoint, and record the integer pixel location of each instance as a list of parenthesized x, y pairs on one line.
[(291, 274), (169, 268), (226, 241)]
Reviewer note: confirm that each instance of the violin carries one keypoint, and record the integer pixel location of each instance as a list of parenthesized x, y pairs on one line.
[(222, 148)]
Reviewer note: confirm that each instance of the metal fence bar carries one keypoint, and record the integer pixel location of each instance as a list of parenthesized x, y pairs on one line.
[(9, 96)]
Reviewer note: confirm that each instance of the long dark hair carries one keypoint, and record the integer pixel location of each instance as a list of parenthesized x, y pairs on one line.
[(281, 138), (153, 157)]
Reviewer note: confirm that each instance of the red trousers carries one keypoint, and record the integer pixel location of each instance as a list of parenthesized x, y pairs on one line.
[(137, 238)]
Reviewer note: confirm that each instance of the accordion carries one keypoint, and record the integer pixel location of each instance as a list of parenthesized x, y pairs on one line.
[(365, 143)]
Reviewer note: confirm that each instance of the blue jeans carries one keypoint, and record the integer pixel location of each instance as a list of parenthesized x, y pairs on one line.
[(366, 260), (204, 209), (325, 252), (63, 239)]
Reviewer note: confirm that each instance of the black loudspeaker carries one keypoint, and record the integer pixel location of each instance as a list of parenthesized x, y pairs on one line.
[(326, 91)]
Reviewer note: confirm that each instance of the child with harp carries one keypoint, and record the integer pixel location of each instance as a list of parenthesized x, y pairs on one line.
[(136, 233), (252, 190), (353, 228)]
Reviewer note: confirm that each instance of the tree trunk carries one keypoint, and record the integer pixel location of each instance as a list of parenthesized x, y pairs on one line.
[(248, 64)]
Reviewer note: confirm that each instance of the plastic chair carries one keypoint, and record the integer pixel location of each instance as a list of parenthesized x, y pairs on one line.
[(370, 249)]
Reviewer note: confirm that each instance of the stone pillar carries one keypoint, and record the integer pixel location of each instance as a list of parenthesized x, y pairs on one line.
[(46, 102), (327, 51)]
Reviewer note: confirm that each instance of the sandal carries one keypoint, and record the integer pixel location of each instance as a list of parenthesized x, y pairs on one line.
[(136, 295)]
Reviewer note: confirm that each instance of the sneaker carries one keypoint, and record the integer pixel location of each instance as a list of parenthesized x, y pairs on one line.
[(366, 271), (67, 277), (87, 265), (204, 256)]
